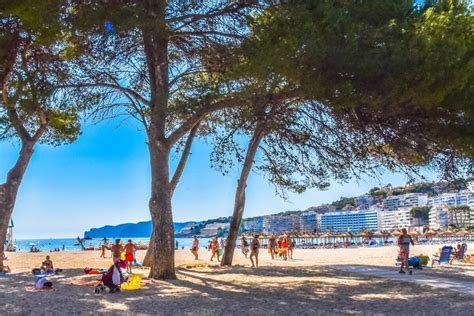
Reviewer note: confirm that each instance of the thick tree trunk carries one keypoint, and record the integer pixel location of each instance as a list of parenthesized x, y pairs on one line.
[(162, 242), (239, 204), (9, 190)]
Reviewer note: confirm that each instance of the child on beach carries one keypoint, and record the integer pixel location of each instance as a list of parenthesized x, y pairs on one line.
[(102, 254), (254, 247)]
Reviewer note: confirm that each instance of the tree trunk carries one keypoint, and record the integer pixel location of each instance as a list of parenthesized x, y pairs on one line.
[(147, 259), (239, 204), (162, 242), (9, 190)]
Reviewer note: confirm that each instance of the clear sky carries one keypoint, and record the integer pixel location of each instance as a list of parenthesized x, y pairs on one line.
[(103, 179)]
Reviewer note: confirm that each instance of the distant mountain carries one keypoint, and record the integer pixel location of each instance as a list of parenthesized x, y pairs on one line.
[(129, 230)]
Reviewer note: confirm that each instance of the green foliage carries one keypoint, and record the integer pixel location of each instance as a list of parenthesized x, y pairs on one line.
[(422, 212), (398, 73), (343, 201)]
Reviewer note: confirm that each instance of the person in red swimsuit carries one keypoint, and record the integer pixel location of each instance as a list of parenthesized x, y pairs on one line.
[(129, 258)]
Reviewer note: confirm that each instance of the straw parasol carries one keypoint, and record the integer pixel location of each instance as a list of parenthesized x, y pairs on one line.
[(447, 233), (430, 233), (396, 233), (462, 233)]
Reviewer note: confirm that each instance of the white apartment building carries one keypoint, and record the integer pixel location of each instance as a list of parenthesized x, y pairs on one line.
[(439, 217), (399, 218), (451, 199), (387, 220), (394, 202)]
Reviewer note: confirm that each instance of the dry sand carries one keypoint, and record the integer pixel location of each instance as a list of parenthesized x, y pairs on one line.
[(309, 284)]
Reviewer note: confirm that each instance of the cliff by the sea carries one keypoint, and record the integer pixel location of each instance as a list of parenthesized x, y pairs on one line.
[(131, 230)]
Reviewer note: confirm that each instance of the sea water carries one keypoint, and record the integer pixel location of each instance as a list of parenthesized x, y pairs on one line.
[(70, 244)]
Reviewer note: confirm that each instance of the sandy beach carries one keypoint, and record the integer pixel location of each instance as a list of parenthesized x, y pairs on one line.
[(313, 283)]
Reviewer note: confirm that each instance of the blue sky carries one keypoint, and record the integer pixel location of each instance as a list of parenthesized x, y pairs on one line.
[(103, 179)]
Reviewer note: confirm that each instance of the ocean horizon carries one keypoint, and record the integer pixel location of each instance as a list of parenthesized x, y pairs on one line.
[(49, 244)]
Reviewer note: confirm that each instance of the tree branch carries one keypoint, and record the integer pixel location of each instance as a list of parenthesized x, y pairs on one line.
[(184, 157), (133, 93), (13, 117)]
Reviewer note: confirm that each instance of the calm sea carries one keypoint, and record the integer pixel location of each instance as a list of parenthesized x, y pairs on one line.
[(70, 243)]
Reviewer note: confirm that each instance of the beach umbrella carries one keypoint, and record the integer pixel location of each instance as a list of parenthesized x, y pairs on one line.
[(462, 233), (414, 233), (396, 233)]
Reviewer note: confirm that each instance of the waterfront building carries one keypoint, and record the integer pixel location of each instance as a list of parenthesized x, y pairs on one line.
[(352, 221), (364, 202), (281, 224), (388, 220), (308, 222), (394, 202), (254, 225), (439, 217), (451, 199)]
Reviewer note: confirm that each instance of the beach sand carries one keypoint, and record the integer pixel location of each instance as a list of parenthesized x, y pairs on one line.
[(310, 284)]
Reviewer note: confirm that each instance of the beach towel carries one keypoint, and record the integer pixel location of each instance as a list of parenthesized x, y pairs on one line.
[(31, 289)]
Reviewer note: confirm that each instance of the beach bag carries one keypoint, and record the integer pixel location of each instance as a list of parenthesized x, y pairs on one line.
[(116, 276), (414, 262)]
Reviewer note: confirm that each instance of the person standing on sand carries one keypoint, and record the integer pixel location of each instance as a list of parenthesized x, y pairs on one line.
[(254, 247), (244, 245), (272, 246), (102, 254), (215, 249), (284, 248), (404, 241), (129, 257), (117, 250), (291, 245), (195, 248)]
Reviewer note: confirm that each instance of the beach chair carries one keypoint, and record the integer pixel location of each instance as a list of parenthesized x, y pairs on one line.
[(444, 257)]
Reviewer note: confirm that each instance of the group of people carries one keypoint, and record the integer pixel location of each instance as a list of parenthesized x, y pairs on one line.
[(122, 252), (281, 247)]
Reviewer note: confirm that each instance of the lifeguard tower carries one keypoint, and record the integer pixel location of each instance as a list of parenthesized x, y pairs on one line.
[(10, 246)]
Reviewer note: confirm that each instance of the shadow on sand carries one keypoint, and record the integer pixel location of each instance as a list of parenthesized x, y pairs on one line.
[(238, 290)]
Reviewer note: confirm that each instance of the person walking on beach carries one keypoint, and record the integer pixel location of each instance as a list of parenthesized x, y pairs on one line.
[(117, 250), (129, 255), (102, 254), (284, 248), (404, 241), (244, 244), (272, 246), (254, 247), (215, 249), (195, 248), (291, 245)]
